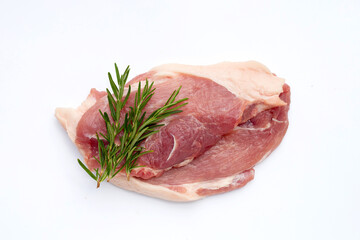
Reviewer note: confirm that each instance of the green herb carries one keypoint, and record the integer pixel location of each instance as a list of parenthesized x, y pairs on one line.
[(119, 149)]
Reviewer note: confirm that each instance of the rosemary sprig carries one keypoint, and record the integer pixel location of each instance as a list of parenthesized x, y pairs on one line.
[(119, 148)]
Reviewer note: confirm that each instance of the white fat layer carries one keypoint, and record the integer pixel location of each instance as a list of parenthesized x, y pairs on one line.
[(151, 190), (268, 125), (214, 184), (278, 121), (251, 80), (164, 191), (173, 149), (185, 162)]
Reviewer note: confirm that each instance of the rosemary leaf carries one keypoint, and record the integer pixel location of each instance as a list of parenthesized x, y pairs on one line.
[(87, 170)]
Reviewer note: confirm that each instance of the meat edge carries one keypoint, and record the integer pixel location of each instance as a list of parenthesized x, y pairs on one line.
[(70, 117), (185, 192)]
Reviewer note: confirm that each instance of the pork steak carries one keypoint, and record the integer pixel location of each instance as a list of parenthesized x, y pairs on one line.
[(235, 117)]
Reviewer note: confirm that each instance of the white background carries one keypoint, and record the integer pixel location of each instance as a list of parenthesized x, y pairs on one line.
[(52, 53)]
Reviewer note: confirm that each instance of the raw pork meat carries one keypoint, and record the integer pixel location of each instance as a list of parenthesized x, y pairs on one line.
[(235, 117)]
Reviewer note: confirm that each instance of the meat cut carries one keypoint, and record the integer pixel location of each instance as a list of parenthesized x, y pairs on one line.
[(235, 117)]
